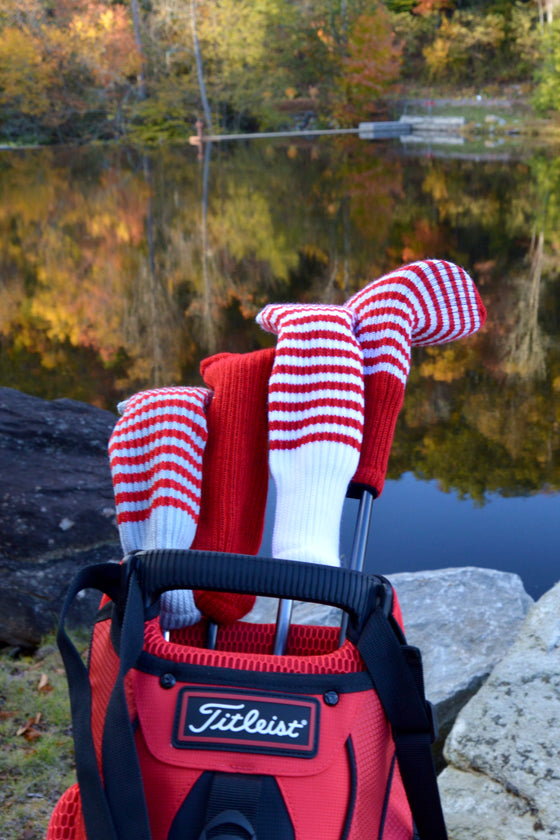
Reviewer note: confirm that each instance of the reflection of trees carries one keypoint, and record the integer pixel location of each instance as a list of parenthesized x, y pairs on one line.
[(152, 324), (477, 434), (525, 350), (208, 318), (72, 242), (121, 271)]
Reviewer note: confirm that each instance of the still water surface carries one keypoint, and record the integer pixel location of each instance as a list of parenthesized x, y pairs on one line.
[(121, 269)]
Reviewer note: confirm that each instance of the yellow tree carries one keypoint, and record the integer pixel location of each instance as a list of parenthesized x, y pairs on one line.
[(58, 63)]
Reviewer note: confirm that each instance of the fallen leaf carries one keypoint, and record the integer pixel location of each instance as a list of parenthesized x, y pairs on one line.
[(29, 730), (44, 684)]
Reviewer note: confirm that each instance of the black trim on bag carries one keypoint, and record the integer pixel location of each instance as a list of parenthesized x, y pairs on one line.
[(387, 798), (353, 789), (105, 612), (257, 797), (184, 672)]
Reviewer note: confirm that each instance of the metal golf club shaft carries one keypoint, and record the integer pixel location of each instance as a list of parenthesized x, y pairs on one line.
[(283, 619), (359, 546), (211, 635)]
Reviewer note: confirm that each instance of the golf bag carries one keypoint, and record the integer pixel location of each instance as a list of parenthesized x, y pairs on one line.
[(174, 741)]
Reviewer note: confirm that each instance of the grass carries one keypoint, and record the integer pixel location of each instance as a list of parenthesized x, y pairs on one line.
[(490, 108), (37, 755), (498, 119)]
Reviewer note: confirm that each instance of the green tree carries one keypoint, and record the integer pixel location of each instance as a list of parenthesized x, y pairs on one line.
[(547, 76)]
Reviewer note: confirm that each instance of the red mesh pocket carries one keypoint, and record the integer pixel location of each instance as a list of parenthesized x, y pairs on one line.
[(66, 821), (248, 647), (248, 637)]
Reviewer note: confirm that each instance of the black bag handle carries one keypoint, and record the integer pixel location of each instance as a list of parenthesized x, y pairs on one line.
[(354, 592)]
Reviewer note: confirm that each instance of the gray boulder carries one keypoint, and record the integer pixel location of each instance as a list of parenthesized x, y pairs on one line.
[(32, 594), (478, 808), (464, 621), (56, 483), (504, 749), (57, 509)]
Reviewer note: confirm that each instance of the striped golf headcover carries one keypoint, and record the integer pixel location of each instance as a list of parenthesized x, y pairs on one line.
[(424, 303), (315, 425), (156, 452)]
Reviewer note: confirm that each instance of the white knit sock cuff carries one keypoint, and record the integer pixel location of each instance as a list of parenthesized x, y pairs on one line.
[(178, 609), (311, 484)]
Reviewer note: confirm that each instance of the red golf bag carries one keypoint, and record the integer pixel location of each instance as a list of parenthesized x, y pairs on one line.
[(177, 742)]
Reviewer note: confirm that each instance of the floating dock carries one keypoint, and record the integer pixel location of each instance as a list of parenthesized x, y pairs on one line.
[(409, 125), (382, 129)]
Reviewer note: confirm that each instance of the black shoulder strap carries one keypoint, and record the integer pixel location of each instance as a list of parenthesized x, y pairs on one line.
[(99, 824), (396, 672), (113, 808)]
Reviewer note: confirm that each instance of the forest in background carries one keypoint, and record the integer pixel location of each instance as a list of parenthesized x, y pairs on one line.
[(81, 70)]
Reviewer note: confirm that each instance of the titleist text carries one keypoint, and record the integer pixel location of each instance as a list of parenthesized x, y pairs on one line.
[(237, 717)]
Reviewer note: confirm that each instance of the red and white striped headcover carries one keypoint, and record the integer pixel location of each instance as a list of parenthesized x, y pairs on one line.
[(316, 386), (156, 452), (315, 425), (423, 303)]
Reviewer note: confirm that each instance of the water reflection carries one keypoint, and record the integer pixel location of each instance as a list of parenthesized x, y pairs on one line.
[(121, 270)]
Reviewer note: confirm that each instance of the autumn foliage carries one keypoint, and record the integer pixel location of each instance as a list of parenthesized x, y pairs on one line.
[(83, 69), (370, 67), (60, 63)]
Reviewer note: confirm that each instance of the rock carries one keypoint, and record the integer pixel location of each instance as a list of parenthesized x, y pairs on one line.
[(504, 749), (463, 620), (32, 594), (56, 506), (478, 808), (264, 612), (56, 482)]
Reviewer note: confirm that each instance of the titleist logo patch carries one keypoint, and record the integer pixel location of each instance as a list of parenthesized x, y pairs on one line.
[(246, 721)]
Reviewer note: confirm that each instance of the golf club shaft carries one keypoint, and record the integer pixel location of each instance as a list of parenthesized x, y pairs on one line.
[(359, 546), (283, 620), (357, 560), (211, 635)]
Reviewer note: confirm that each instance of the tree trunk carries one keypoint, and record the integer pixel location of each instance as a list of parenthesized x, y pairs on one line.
[(139, 44), (200, 74)]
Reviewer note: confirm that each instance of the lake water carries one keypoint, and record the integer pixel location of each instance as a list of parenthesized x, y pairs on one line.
[(122, 269)]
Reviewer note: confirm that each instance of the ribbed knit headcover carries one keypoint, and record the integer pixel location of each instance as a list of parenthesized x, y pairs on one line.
[(156, 451), (315, 425), (423, 303), (235, 480)]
